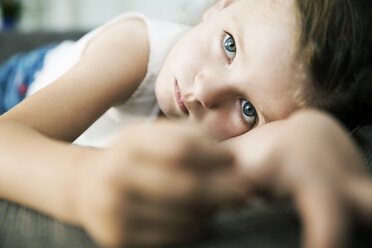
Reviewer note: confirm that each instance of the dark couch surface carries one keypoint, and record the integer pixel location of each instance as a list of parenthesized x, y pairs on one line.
[(259, 226), (14, 42)]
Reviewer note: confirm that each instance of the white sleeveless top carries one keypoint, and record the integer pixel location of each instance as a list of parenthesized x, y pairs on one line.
[(142, 104)]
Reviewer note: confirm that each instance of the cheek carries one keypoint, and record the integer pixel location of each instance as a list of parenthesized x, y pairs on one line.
[(189, 52), (164, 87), (224, 124), (161, 81)]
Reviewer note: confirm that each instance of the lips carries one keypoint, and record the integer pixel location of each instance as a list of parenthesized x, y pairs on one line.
[(179, 99)]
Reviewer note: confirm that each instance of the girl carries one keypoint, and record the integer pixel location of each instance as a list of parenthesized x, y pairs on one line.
[(248, 63)]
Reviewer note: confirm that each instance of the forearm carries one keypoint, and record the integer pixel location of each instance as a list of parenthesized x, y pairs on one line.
[(307, 142), (39, 172)]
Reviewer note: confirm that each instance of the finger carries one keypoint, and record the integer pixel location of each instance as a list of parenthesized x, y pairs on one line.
[(163, 186), (184, 188), (204, 156), (324, 217), (198, 155), (146, 213), (225, 188), (169, 144)]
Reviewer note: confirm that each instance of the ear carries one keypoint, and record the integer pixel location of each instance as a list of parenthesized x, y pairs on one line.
[(220, 5)]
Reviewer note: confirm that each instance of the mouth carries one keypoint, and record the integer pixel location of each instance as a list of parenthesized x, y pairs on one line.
[(179, 99)]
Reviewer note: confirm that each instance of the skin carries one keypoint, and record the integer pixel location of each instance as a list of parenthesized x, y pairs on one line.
[(323, 173), (66, 115), (66, 175), (112, 192), (147, 196), (265, 70)]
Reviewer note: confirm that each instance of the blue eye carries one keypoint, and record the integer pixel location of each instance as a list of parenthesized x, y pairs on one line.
[(229, 46), (249, 112)]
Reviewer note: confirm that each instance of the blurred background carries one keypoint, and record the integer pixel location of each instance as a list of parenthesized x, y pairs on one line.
[(67, 15)]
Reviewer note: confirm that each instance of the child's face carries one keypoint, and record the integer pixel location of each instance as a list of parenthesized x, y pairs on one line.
[(236, 70)]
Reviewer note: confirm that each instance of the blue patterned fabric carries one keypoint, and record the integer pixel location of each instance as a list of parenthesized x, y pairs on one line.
[(17, 74)]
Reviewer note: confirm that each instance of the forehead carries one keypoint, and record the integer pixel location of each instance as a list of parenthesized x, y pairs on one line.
[(268, 66), (273, 23), (275, 8)]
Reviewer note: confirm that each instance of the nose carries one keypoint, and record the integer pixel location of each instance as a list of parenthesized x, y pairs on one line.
[(210, 90)]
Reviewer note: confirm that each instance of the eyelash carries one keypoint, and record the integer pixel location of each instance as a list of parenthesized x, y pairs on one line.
[(253, 125), (222, 49)]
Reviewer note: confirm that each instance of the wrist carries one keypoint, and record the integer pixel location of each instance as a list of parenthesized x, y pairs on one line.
[(86, 160)]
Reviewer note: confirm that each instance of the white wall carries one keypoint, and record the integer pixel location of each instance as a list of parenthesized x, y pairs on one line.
[(61, 15)]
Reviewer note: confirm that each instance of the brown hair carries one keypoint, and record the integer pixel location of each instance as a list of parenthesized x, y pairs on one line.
[(336, 45)]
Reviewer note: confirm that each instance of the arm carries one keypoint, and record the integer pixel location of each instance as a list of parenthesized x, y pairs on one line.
[(41, 173), (111, 192), (36, 169), (156, 175), (109, 72), (60, 112), (309, 158)]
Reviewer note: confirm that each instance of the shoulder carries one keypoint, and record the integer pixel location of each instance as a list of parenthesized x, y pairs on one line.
[(124, 45), (123, 32)]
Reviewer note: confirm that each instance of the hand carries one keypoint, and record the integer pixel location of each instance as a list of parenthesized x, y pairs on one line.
[(311, 159), (156, 185)]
